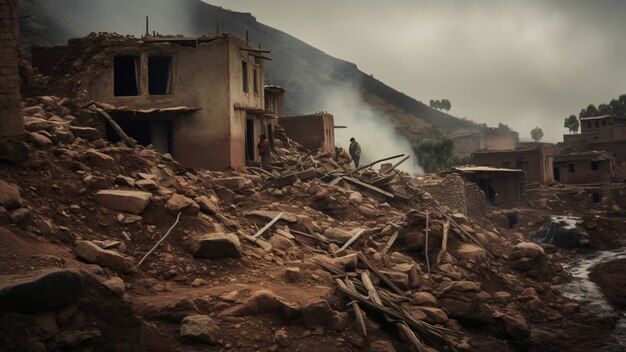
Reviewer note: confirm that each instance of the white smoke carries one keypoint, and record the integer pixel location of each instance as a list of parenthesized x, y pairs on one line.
[(369, 127)]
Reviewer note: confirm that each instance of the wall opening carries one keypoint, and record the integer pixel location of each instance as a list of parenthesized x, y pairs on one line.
[(511, 220), (250, 141), (571, 168), (160, 75), (126, 76), (596, 197), (594, 166), (255, 82), (557, 174), (146, 132), (244, 73), (487, 186), (270, 134)]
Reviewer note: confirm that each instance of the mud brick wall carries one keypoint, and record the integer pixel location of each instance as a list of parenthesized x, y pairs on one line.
[(11, 122), (450, 192), (475, 201)]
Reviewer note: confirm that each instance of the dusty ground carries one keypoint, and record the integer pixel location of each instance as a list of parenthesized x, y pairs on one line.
[(505, 301), (611, 277)]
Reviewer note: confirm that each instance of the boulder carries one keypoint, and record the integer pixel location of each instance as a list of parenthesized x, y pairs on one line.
[(292, 274), (216, 245), (34, 124), (178, 203), (233, 183), (410, 269), (94, 254), (317, 313), (399, 279), (149, 185), (423, 299), (115, 285), (124, 181), (264, 301), (207, 206), (64, 136), (129, 201), (13, 150), (96, 159), (10, 196), (515, 326), (88, 133), (382, 346), (337, 235), (40, 290), (39, 139), (200, 328), (527, 250), (280, 242), (434, 315), (469, 251)]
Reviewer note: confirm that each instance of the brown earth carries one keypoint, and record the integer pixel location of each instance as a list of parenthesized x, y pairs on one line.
[(611, 277)]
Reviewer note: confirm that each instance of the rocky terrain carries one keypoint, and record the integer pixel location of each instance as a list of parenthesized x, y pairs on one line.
[(108, 247)]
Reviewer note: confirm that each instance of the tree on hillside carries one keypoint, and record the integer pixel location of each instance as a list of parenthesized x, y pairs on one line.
[(443, 104), (571, 123), (617, 107), (536, 134)]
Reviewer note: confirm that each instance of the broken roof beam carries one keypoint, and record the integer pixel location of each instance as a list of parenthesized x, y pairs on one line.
[(257, 50), (368, 186)]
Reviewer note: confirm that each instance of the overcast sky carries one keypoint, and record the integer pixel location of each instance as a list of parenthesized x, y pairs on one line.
[(524, 63)]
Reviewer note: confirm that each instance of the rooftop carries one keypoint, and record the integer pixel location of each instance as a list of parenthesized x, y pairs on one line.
[(471, 169), (593, 155)]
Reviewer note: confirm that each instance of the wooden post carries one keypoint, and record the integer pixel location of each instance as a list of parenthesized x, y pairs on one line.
[(426, 242)]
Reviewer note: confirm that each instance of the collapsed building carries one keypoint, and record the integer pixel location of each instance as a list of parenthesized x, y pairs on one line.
[(312, 131), (201, 99), (492, 139), (587, 167)]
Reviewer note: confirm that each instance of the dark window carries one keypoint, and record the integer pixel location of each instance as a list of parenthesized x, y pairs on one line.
[(506, 164), (596, 124), (244, 72), (125, 76), (604, 123), (596, 197), (255, 82), (588, 124), (522, 165), (594, 165), (571, 168), (159, 75)]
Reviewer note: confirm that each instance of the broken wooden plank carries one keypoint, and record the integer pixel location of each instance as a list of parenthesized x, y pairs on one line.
[(375, 162), (355, 306), (266, 246), (396, 164), (268, 225), (351, 240), (284, 180), (426, 241), (390, 242), (308, 235), (382, 276), (444, 241), (368, 186), (120, 132)]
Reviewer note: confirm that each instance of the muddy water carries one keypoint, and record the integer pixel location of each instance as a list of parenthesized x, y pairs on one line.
[(588, 294)]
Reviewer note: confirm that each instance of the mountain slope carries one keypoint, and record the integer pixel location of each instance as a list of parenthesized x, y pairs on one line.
[(314, 80)]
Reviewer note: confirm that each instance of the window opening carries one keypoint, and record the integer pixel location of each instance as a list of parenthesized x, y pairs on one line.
[(126, 76), (160, 75)]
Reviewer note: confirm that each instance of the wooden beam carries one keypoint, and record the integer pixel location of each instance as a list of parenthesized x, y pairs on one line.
[(368, 186), (268, 225)]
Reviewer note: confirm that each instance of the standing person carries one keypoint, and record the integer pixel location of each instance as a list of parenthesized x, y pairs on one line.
[(264, 149), (355, 152)]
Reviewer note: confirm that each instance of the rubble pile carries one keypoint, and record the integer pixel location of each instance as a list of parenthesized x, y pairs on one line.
[(108, 247)]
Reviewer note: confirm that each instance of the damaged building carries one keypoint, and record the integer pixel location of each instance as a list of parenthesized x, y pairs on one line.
[(606, 132), (536, 161), (202, 99), (312, 131), (587, 167), (492, 139), (11, 123)]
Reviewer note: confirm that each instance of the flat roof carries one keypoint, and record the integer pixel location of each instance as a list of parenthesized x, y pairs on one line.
[(595, 117), (470, 168), (594, 155), (182, 108)]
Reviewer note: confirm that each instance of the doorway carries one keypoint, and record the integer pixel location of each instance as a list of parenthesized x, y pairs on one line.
[(250, 139), (557, 174)]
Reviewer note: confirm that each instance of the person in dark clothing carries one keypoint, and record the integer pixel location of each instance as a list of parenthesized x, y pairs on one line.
[(264, 149), (355, 151)]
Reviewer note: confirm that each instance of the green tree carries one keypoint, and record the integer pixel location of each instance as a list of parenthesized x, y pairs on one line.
[(437, 153), (446, 105), (571, 123), (536, 134)]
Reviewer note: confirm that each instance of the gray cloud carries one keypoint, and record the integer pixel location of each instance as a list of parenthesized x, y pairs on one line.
[(523, 63)]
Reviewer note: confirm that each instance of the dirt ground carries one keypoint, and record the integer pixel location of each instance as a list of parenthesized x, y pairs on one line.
[(611, 277)]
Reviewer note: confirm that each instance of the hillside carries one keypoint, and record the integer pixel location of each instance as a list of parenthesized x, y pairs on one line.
[(308, 73)]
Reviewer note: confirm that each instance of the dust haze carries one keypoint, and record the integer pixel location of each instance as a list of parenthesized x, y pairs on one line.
[(375, 134)]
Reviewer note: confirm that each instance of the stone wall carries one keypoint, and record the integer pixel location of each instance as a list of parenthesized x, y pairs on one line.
[(475, 201), (449, 191), (11, 122)]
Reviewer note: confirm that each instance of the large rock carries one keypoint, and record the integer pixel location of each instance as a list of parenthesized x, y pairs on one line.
[(434, 315), (97, 159), (13, 150), (269, 215), (200, 328), (216, 245), (9, 196), (423, 299), (527, 250), (130, 201), (94, 254), (515, 326), (178, 203), (88, 133), (339, 236), (469, 251), (207, 206), (233, 183), (40, 291), (264, 301)]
